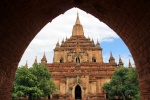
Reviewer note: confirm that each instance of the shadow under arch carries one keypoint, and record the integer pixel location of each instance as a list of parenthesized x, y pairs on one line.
[(21, 21)]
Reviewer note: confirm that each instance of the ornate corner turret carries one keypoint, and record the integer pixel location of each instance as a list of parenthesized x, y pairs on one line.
[(62, 40), (130, 65), (44, 60), (111, 59), (120, 62), (98, 44)]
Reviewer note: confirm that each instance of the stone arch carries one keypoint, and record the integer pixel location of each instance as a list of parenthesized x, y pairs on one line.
[(22, 20)]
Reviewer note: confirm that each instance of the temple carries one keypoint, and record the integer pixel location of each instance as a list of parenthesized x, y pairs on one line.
[(78, 69)]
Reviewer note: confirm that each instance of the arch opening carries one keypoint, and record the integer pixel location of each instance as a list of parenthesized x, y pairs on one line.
[(93, 59), (61, 60), (78, 93), (77, 60)]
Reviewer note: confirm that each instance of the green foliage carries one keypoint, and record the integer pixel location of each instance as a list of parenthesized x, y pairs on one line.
[(123, 83), (34, 82), (45, 82), (137, 96)]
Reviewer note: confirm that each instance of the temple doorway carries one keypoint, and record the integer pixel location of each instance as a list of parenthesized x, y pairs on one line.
[(78, 93)]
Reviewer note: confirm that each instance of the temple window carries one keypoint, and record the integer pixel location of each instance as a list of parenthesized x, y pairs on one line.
[(77, 60), (61, 60), (93, 59)]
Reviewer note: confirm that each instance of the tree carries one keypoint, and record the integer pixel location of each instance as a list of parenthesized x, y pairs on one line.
[(25, 84), (45, 82), (123, 84), (34, 82)]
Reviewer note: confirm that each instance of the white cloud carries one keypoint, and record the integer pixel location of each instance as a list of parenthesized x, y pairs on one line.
[(59, 28)]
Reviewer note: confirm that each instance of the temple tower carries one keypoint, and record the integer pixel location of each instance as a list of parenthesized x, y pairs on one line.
[(87, 50), (77, 28)]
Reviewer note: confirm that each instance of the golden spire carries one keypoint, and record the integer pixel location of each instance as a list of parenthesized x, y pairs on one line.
[(111, 55), (77, 20), (77, 28), (44, 55)]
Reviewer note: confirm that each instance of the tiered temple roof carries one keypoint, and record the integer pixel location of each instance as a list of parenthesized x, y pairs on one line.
[(81, 41)]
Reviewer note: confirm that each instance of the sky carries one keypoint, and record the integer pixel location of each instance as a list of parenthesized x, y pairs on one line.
[(61, 27)]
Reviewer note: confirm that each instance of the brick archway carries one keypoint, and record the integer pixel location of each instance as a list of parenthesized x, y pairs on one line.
[(21, 20)]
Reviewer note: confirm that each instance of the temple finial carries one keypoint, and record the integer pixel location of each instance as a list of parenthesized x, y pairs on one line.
[(111, 59), (44, 60), (35, 61), (57, 44), (97, 42), (77, 20), (92, 39), (44, 55), (130, 66), (120, 62), (62, 40), (77, 28), (26, 65)]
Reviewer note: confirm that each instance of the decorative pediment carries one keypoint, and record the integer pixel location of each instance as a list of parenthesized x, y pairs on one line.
[(77, 80)]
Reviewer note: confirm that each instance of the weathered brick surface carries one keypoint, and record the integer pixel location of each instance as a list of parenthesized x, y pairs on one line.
[(21, 20)]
